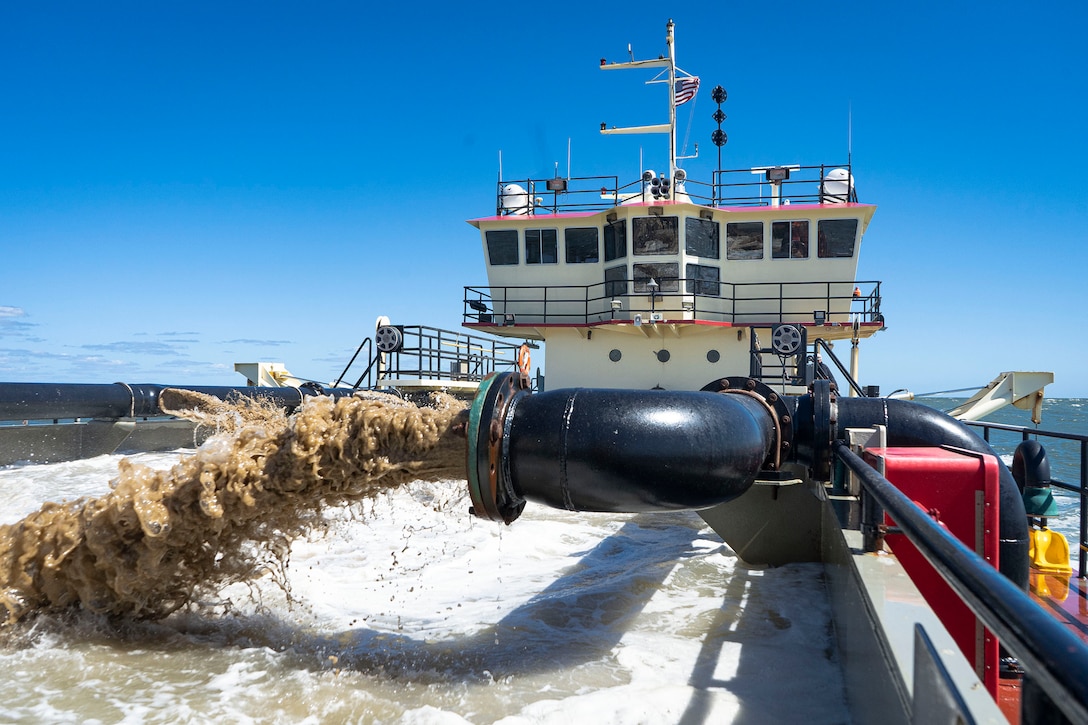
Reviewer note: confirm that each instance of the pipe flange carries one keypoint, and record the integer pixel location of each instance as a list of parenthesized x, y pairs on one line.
[(490, 490), (780, 412), (825, 418)]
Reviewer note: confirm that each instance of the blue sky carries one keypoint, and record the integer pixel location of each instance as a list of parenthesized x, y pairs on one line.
[(184, 186)]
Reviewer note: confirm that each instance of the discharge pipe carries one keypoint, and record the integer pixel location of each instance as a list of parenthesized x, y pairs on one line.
[(616, 451), (632, 451)]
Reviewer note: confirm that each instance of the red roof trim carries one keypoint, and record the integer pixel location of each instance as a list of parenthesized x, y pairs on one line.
[(707, 323)]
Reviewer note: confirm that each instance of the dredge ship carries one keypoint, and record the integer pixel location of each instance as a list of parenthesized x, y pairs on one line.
[(690, 330)]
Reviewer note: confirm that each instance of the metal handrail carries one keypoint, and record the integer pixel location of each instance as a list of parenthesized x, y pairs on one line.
[(1081, 490), (819, 344), (366, 373), (539, 302), (1052, 656), (574, 194), (426, 350)]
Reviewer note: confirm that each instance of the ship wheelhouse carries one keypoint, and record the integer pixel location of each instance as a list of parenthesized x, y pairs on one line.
[(677, 292)]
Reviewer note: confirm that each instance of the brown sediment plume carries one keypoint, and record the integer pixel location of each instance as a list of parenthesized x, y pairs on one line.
[(160, 540)]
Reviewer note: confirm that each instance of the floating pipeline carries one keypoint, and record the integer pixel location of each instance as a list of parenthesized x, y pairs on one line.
[(44, 401), (160, 540), (629, 451)]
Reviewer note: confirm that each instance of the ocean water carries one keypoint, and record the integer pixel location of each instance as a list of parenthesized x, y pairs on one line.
[(405, 609)]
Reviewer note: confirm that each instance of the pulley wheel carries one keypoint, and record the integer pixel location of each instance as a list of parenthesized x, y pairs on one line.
[(388, 338), (786, 339)]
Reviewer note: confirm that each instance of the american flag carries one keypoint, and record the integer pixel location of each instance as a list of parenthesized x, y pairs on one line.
[(686, 88)]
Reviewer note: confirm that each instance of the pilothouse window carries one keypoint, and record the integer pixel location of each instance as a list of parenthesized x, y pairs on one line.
[(615, 240), (582, 246), (836, 237), (666, 274), (656, 235), (541, 246), (502, 247), (701, 237), (702, 279), (789, 240), (615, 281), (744, 240)]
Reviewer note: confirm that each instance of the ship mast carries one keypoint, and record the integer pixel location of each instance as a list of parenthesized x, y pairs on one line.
[(668, 62)]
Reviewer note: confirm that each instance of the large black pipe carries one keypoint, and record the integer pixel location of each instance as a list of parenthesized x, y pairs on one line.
[(914, 424), (45, 401), (626, 451), (645, 450)]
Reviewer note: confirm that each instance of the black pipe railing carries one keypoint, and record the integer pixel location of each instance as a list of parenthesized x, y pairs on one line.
[(727, 188), (820, 348), (1052, 656), (733, 302), (366, 375), (437, 354), (1080, 489), (803, 185)]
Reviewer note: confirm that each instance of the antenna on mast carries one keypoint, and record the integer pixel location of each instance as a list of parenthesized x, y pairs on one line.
[(849, 131)]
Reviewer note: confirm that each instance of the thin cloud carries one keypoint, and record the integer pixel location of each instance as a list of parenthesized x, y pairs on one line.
[(136, 348), (244, 341), (12, 322)]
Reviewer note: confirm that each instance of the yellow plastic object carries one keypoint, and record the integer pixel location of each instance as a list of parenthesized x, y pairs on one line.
[(1049, 551), (1054, 587)]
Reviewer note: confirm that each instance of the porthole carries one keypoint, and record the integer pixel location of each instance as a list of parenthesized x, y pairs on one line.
[(713, 356), (614, 354), (663, 356)]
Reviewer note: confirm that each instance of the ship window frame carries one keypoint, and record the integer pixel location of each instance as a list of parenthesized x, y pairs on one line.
[(669, 282), (615, 286), (826, 245), (657, 230), (703, 286), (582, 258), (791, 248), (502, 247), (712, 245), (540, 241), (734, 252), (616, 246)]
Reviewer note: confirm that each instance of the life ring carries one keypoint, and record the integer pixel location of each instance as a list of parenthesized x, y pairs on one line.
[(523, 359)]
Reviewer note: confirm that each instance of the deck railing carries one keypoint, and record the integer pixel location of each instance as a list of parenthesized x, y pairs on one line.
[(686, 299), (432, 353), (1080, 489), (1054, 659), (793, 184)]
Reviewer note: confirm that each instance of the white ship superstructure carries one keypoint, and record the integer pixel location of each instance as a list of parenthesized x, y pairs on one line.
[(673, 283)]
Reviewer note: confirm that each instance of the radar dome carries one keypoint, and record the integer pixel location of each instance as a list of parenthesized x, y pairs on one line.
[(515, 199), (837, 185)]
